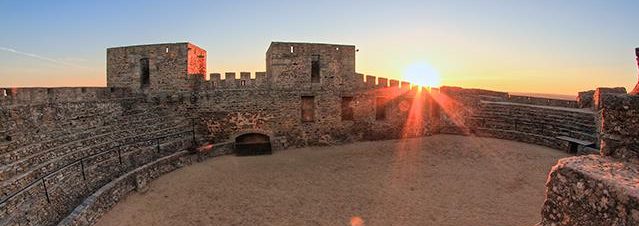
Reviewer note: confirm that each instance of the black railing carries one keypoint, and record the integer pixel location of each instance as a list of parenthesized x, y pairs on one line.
[(82, 167)]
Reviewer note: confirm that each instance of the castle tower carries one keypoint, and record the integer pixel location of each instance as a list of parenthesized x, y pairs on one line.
[(635, 91), (157, 67), (306, 66)]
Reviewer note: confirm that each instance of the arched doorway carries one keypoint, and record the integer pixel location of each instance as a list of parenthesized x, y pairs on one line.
[(252, 144)]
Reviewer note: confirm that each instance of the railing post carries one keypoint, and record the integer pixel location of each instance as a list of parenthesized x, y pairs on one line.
[(119, 154), (193, 131), (157, 143), (84, 177), (46, 192)]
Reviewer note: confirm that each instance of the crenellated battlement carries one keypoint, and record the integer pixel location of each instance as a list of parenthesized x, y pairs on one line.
[(262, 81), (374, 82), (246, 80)]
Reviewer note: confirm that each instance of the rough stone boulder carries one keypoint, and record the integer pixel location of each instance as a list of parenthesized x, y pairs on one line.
[(592, 190)]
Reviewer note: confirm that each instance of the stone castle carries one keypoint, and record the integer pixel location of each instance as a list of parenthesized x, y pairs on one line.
[(68, 154)]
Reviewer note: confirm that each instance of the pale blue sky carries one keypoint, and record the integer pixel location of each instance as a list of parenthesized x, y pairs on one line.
[(535, 46)]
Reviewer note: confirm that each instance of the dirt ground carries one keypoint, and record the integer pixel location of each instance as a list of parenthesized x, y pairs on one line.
[(438, 180)]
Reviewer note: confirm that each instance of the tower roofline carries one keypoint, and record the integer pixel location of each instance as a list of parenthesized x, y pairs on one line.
[(309, 43), (154, 44)]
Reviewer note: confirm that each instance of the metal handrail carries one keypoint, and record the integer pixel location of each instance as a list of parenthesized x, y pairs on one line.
[(116, 148)]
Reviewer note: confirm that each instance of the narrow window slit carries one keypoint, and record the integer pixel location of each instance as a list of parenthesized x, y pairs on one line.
[(145, 78), (315, 69)]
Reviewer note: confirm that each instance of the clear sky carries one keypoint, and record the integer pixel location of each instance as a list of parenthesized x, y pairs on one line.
[(529, 46)]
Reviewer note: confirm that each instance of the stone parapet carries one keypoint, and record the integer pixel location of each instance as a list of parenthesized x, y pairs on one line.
[(591, 190), (619, 130), (601, 92)]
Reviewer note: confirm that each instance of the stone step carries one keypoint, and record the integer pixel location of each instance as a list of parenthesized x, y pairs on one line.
[(520, 137), (65, 184), (529, 114), (550, 132), (514, 122), (23, 180), (50, 144), (24, 164), (24, 140), (535, 116), (526, 114), (533, 110)]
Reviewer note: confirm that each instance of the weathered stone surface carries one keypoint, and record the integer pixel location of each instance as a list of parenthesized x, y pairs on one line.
[(602, 92), (169, 66), (592, 190), (289, 66), (69, 142), (533, 124), (543, 101), (620, 127), (585, 99)]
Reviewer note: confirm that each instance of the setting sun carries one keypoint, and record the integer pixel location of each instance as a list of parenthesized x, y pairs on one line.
[(422, 74)]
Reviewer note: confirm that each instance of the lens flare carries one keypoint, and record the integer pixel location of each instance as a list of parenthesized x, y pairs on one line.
[(357, 221), (422, 74)]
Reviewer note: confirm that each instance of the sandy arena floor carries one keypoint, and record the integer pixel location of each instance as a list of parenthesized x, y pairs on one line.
[(438, 180)]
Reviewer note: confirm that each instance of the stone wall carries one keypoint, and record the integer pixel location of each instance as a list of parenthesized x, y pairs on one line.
[(289, 65), (196, 59), (620, 128), (59, 145), (224, 113), (232, 82), (169, 66), (34, 96), (586, 99), (600, 189), (602, 92), (543, 101)]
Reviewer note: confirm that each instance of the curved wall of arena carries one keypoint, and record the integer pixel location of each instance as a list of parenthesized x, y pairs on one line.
[(73, 152), (533, 120), (59, 145)]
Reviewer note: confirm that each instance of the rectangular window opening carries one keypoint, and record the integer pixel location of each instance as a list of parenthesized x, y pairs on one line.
[(145, 78), (308, 108), (380, 108), (315, 69), (243, 83), (4, 93), (347, 108)]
